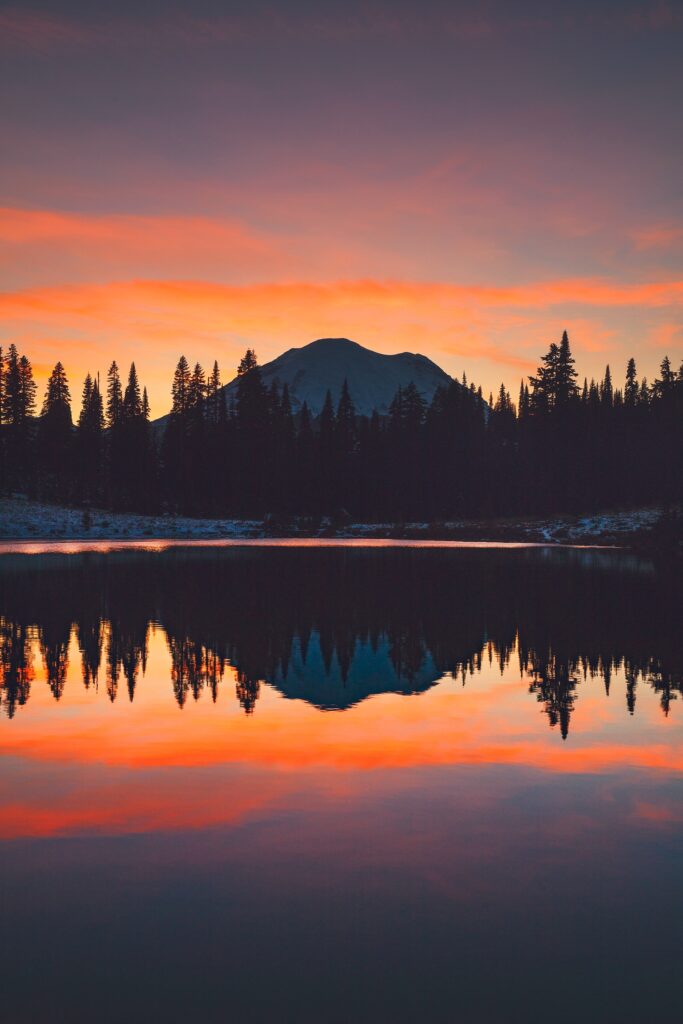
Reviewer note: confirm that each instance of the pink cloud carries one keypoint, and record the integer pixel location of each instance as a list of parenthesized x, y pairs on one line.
[(658, 236)]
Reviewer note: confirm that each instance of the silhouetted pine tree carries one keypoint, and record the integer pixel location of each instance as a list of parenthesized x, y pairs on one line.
[(631, 389), (18, 409), (136, 472), (90, 443), (55, 438)]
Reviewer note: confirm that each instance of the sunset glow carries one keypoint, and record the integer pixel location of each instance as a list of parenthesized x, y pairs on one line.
[(159, 754), (254, 200)]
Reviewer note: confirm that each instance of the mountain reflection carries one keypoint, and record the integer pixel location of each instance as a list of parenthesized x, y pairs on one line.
[(334, 626)]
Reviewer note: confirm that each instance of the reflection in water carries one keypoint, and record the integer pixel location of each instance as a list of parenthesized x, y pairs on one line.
[(441, 857), (333, 627)]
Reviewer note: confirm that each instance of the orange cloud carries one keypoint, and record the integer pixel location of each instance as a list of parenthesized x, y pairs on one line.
[(666, 337), (80, 245), (153, 320)]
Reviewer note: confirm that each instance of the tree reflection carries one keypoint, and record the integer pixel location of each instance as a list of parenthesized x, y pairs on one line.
[(16, 665), (334, 626)]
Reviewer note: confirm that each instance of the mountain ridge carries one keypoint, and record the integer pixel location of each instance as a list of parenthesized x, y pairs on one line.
[(373, 378)]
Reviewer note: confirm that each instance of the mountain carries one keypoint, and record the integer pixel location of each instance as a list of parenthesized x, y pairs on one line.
[(373, 378), (332, 684)]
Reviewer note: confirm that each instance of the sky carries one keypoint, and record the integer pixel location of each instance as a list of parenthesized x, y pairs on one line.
[(457, 179)]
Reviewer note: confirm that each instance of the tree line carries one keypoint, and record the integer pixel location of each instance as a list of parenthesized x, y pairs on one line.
[(558, 447)]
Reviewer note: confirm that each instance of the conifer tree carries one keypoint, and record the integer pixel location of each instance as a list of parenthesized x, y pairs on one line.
[(544, 383), (18, 407), (90, 438), (606, 389), (180, 389), (196, 392), (27, 390), (664, 384), (631, 389), (248, 362), (132, 400), (114, 396), (12, 388), (55, 437), (565, 388), (57, 395), (213, 394)]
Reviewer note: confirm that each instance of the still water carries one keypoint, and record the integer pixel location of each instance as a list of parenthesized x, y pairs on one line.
[(340, 784)]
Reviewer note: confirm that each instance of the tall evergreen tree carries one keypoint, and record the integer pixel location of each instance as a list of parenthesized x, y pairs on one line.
[(11, 399), (607, 389), (132, 399), (213, 395), (55, 436), (247, 363), (180, 389), (544, 383), (90, 442), (566, 389), (134, 471), (631, 389), (196, 392), (114, 396)]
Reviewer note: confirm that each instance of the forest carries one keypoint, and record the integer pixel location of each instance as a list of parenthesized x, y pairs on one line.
[(559, 447)]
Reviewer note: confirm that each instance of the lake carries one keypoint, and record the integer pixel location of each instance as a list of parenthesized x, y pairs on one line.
[(340, 783)]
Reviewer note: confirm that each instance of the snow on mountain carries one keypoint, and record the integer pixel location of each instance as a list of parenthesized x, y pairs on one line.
[(373, 378)]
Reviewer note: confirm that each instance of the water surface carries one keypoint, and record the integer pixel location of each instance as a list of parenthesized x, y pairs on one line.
[(350, 783)]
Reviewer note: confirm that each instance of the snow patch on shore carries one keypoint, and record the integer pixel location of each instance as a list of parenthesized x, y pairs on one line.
[(21, 519), (32, 520)]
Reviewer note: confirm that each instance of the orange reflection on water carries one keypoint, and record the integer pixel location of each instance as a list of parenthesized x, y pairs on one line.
[(492, 718), (142, 765)]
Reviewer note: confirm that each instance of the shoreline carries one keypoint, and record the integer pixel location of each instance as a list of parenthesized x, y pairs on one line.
[(22, 520)]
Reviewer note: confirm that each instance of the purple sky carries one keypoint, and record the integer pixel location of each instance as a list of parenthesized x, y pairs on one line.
[(463, 180)]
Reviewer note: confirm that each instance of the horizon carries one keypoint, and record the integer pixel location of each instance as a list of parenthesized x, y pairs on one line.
[(230, 377), (457, 182)]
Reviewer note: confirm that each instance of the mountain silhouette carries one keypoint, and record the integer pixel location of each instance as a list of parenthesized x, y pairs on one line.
[(373, 378)]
